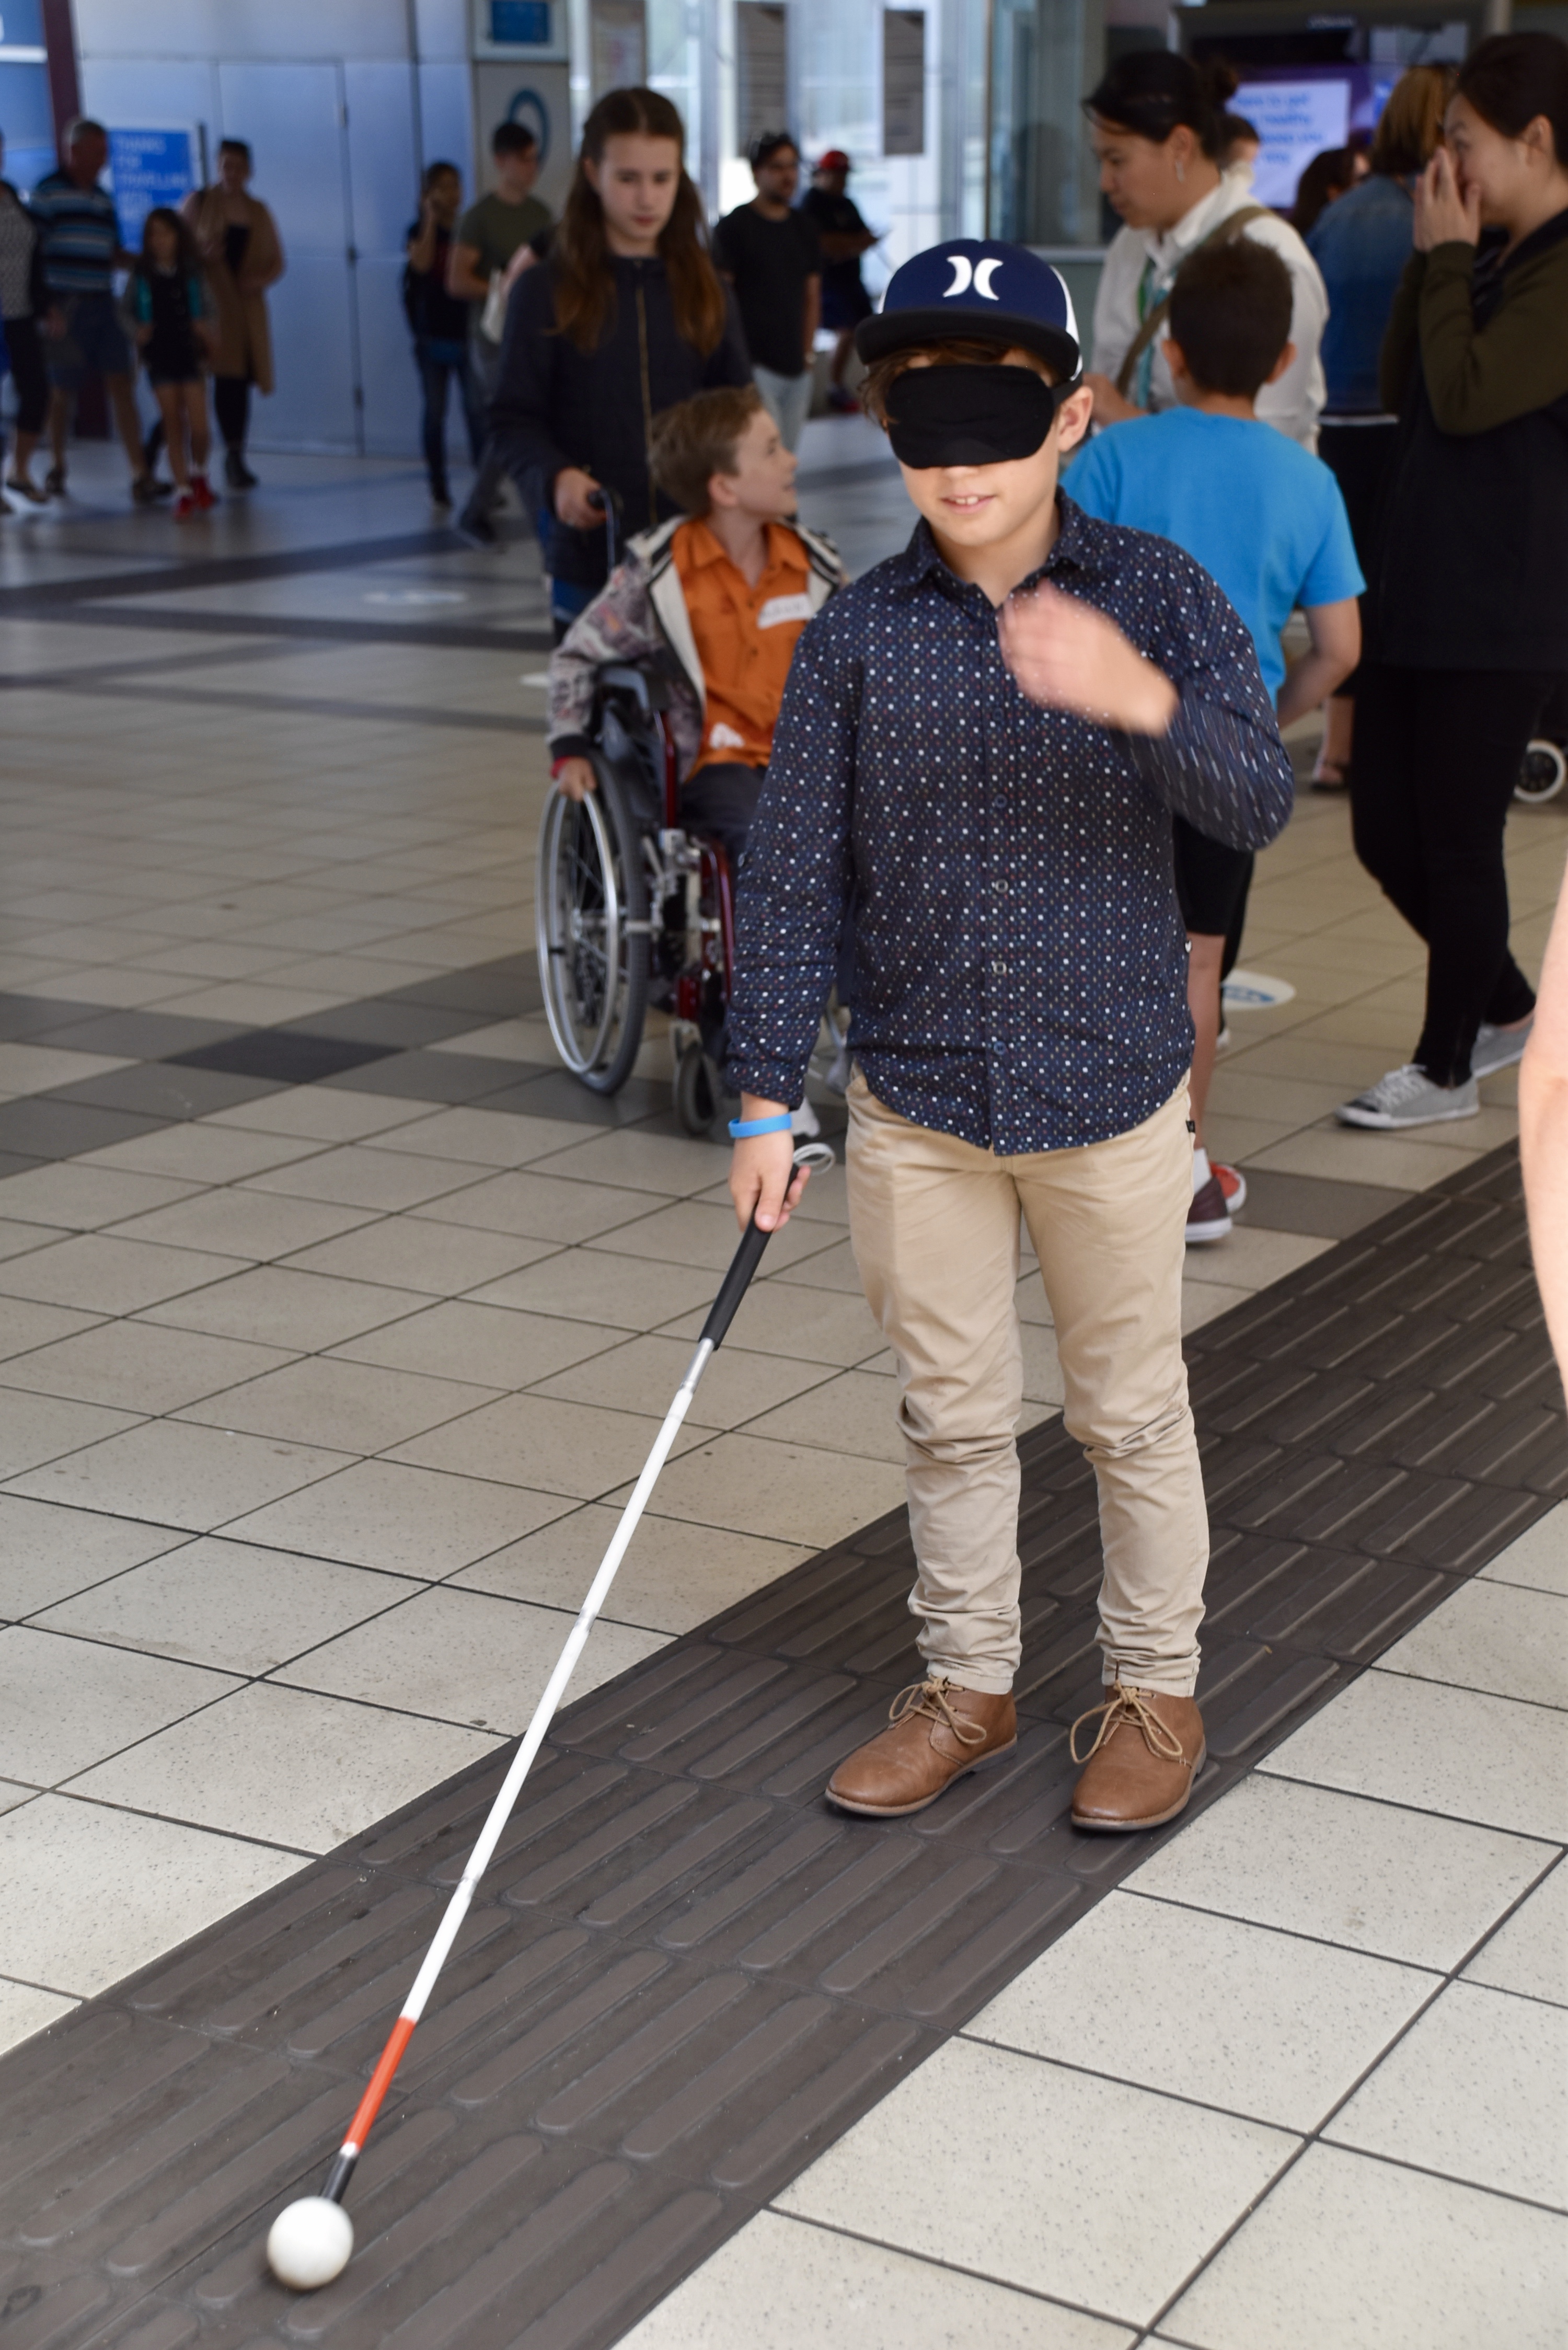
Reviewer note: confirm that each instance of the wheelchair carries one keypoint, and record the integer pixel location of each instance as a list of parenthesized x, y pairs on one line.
[(632, 910)]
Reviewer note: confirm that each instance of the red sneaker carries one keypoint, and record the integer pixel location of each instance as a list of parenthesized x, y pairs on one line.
[(1232, 1182), (202, 489), (184, 505)]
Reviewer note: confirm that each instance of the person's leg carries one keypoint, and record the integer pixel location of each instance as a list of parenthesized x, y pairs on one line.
[(1106, 1224), (474, 522), (722, 800), (195, 395), (59, 428), (127, 423), (170, 398), (232, 406), (1472, 735), (432, 420), (1204, 957), (796, 406), (31, 383), (1385, 784), (933, 1223)]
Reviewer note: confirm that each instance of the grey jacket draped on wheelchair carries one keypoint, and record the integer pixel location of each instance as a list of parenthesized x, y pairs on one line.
[(640, 615)]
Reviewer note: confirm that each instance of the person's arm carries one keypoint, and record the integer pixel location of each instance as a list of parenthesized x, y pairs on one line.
[(1543, 1133), (1116, 324), (618, 625), (793, 888), (462, 277), (728, 362), (523, 413), (1478, 377), (257, 275), (812, 317), (421, 246), (1335, 633), (1192, 714)]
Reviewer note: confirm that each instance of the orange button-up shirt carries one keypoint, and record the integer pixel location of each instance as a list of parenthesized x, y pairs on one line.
[(745, 637)]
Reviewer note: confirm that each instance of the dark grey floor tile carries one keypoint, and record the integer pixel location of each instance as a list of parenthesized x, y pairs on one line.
[(166, 1089), (401, 1027), (434, 1076), (494, 990), (555, 1092), (13, 1163), (282, 1056), (39, 1015), (1306, 1203), (43, 1127), (141, 1035)]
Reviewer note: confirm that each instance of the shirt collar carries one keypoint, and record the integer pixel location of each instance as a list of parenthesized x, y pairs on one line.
[(704, 547), (1078, 546)]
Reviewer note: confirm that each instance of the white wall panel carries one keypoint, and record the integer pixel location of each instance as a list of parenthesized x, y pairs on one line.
[(442, 29), (446, 118), (391, 417), (312, 334)]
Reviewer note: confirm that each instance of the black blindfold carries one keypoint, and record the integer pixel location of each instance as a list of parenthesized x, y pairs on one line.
[(969, 415)]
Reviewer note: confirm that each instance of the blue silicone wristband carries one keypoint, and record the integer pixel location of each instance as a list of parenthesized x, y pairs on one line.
[(741, 1128)]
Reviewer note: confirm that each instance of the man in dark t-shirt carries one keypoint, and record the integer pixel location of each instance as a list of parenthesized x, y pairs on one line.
[(769, 252), (844, 237)]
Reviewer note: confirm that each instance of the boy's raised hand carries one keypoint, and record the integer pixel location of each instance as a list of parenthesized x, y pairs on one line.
[(1066, 655)]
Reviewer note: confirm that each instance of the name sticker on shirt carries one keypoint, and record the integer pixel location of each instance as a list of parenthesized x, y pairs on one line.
[(783, 608)]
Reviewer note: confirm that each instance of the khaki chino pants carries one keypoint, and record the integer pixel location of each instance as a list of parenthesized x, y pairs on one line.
[(934, 1223)]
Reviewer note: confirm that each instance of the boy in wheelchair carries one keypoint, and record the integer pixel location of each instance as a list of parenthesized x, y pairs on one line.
[(716, 599)]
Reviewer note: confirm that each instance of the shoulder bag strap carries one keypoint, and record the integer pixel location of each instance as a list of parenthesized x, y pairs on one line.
[(1229, 229)]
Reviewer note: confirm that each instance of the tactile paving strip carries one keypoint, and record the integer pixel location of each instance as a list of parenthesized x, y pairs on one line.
[(686, 1976)]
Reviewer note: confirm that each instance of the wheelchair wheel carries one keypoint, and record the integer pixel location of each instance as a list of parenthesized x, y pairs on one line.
[(592, 931), (1542, 774), (698, 1091)]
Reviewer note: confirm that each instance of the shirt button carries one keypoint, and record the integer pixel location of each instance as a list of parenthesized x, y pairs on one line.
[(998, 968), (1000, 888)]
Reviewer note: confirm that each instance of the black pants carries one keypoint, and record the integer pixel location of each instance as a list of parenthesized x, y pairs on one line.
[(232, 406), (28, 373), (1437, 757), (439, 364), (722, 800), (1358, 456)]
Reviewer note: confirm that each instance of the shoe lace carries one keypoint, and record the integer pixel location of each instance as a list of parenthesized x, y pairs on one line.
[(1126, 1705), (1399, 1085), (930, 1699)]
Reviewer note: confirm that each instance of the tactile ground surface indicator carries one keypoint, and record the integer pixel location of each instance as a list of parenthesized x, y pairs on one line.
[(686, 1976)]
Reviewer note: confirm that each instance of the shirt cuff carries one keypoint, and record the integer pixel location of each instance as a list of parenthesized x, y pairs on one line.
[(570, 746), (766, 1080)]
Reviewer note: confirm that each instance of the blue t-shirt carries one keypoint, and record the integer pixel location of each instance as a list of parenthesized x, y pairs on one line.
[(1263, 516)]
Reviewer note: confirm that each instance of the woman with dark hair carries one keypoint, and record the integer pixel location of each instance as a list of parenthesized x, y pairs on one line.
[(625, 316), (1361, 243), (1468, 601), (1326, 178), (1157, 127)]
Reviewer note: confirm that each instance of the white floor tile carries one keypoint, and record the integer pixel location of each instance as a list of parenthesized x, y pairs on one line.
[(1441, 1749), (138, 1367), (1360, 2255), (83, 1195), (674, 1577), (24, 2010), (241, 1222), (1087, 2189), (101, 1274), (283, 1765), (554, 1448), (179, 1475), (539, 1207), (1491, 1636), (1539, 1559), (67, 1703), (299, 1311), (1366, 1876), (586, 1284), (355, 1406), (1236, 2015), (1530, 1953), (40, 1429), (47, 1553), (357, 1178), (92, 1894), (440, 1260), (783, 1492), (805, 2288), (489, 1344), (1474, 2090), (409, 1520), (465, 1657), (232, 1605)]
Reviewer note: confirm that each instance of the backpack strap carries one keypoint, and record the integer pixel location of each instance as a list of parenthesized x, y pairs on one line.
[(1227, 231)]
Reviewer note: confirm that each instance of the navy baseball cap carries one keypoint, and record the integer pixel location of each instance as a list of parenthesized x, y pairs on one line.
[(976, 289)]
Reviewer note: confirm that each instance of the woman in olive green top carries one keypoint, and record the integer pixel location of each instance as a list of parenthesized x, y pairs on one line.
[(1468, 609)]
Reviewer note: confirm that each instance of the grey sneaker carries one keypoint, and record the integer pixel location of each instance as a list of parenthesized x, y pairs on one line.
[(1407, 1096), (1499, 1048)]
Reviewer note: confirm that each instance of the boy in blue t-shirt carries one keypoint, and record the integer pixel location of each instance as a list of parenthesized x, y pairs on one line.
[(1268, 521)]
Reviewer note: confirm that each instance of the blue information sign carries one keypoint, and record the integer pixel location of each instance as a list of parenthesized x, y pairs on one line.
[(149, 168)]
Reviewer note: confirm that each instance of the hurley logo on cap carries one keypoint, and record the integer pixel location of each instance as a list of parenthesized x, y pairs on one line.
[(965, 274)]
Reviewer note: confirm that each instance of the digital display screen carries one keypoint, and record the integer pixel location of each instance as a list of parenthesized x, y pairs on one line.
[(520, 23), (1301, 111)]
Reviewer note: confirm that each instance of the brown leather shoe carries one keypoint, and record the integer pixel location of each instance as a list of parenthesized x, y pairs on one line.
[(1147, 1751), (936, 1732)]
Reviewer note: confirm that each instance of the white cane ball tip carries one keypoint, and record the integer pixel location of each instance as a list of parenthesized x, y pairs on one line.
[(310, 2242)]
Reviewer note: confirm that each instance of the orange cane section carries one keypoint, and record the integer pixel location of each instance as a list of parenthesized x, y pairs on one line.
[(369, 2105)]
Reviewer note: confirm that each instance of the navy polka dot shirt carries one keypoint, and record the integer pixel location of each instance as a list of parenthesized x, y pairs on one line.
[(1019, 971)]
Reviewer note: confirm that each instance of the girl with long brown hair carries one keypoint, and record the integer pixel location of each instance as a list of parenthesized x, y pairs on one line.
[(626, 317)]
